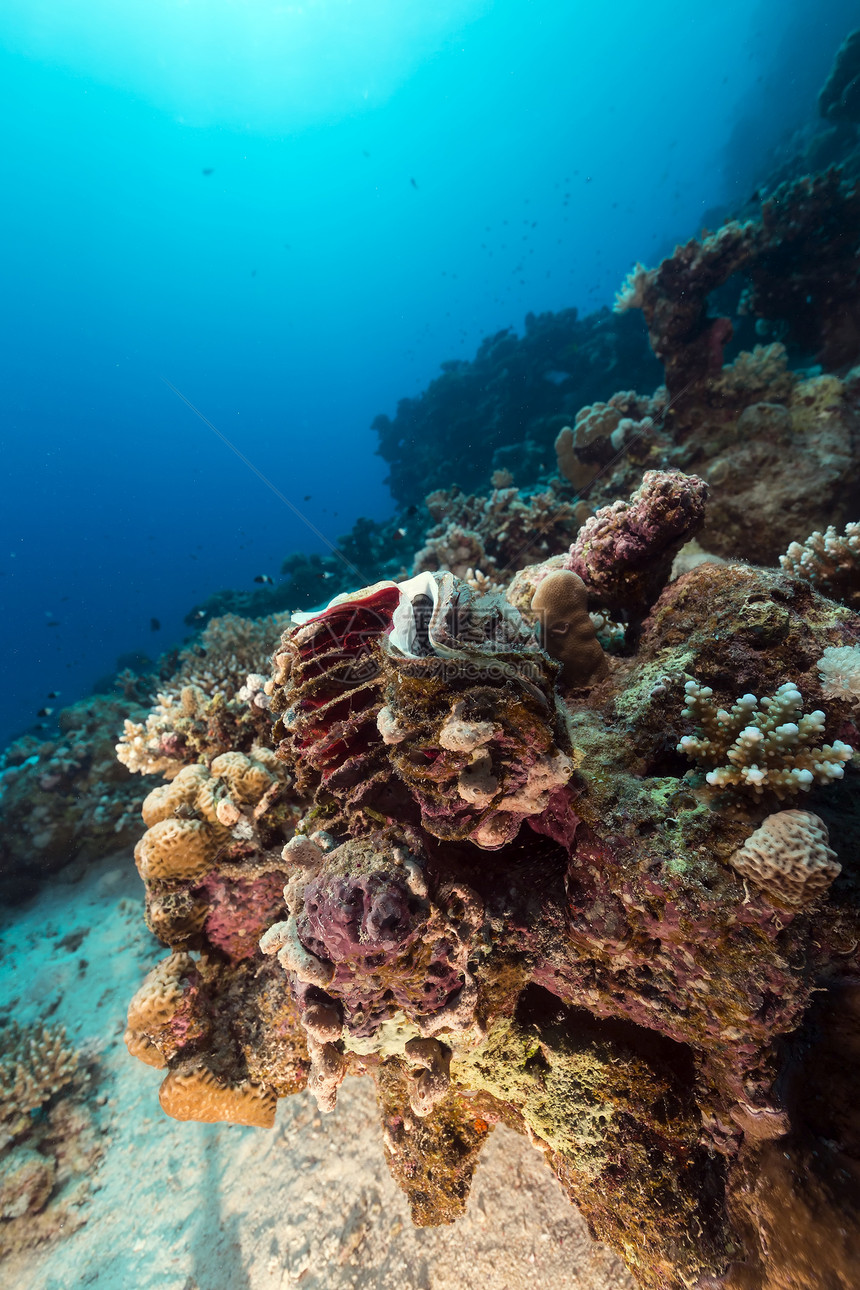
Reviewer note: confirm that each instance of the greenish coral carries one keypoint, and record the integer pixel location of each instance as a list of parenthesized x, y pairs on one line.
[(560, 1092)]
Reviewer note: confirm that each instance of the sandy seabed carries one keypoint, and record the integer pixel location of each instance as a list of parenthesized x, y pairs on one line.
[(219, 1207)]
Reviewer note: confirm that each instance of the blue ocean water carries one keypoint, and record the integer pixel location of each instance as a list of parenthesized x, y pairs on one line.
[(292, 214)]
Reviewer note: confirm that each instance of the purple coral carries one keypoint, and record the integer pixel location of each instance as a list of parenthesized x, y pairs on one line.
[(387, 951), (355, 917), (624, 553)]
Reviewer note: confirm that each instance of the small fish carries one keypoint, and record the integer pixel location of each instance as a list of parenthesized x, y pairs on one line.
[(324, 577), (398, 535), (52, 623), (308, 496), (207, 170), (413, 183), (154, 625), (53, 694), (263, 577), (44, 712), (201, 613)]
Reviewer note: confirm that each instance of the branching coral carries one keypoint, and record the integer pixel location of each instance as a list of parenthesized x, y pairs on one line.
[(764, 746), (830, 561)]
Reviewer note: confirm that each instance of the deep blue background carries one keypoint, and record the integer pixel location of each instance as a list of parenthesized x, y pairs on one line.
[(307, 283)]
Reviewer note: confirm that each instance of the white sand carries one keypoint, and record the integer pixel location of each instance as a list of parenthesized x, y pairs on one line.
[(218, 1207)]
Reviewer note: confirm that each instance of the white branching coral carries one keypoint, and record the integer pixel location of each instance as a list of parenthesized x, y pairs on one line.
[(827, 560), (839, 669), (764, 746), (788, 857)]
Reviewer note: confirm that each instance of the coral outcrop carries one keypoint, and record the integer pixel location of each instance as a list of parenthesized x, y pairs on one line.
[(506, 908), (624, 553)]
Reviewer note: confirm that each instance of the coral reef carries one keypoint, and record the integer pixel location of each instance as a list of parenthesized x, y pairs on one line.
[(64, 797), (48, 1146), (505, 908), (799, 268), (839, 99), (509, 860), (504, 409)]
